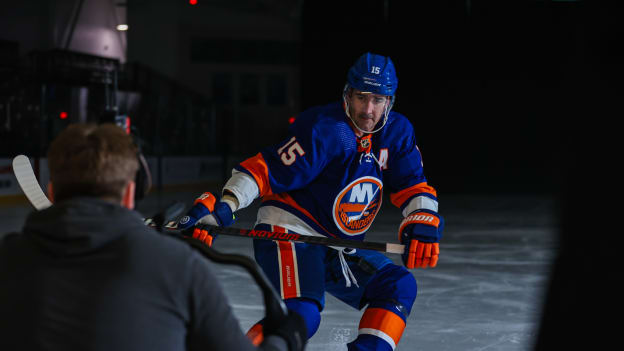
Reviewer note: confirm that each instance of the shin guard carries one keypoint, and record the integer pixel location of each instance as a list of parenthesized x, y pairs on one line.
[(379, 330), (309, 310)]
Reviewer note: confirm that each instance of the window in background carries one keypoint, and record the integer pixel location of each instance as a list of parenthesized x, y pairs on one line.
[(276, 89), (222, 88), (249, 89)]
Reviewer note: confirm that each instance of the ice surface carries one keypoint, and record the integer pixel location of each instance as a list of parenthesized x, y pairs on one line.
[(485, 294)]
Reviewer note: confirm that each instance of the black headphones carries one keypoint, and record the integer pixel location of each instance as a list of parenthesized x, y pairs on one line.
[(143, 179)]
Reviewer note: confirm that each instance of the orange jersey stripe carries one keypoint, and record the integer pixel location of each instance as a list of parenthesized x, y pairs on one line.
[(258, 168), (287, 267), (384, 321), (399, 198)]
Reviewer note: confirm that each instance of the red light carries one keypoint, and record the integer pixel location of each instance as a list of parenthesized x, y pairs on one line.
[(193, 2), (291, 120), (63, 115)]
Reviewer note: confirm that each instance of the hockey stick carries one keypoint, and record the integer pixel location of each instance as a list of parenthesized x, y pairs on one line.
[(28, 182), (319, 240), (26, 178)]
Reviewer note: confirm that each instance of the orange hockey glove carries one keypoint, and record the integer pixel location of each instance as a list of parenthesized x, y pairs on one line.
[(420, 232)]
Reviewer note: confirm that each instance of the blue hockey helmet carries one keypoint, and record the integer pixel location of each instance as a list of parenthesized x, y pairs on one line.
[(373, 74)]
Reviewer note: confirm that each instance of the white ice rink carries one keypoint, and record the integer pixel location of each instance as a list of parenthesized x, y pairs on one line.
[(485, 294)]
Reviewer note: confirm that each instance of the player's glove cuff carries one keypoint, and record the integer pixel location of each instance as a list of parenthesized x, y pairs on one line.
[(423, 225), (223, 214), (207, 210)]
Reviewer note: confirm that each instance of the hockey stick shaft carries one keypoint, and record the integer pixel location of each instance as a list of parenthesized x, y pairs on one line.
[(319, 240), (26, 178)]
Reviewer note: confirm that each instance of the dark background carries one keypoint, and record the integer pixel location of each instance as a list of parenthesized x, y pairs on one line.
[(498, 91), (506, 96), (494, 88)]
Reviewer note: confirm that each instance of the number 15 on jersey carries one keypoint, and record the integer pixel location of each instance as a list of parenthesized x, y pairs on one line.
[(288, 153)]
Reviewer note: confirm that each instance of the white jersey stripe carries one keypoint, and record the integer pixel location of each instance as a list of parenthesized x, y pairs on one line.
[(292, 223), (295, 268), (420, 203), (272, 214), (279, 263)]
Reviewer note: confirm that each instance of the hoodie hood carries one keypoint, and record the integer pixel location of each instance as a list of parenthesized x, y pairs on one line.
[(80, 225)]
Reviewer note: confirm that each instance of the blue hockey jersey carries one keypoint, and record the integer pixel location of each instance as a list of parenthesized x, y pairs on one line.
[(325, 180)]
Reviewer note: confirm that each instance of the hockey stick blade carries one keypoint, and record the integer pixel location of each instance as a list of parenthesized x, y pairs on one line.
[(319, 240), (28, 182)]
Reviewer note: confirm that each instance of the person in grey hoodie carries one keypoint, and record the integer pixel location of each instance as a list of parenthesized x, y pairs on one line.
[(87, 274)]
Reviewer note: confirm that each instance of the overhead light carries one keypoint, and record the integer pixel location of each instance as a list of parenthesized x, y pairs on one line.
[(122, 27)]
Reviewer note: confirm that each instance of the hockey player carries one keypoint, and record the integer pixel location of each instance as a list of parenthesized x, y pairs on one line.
[(87, 274), (327, 179)]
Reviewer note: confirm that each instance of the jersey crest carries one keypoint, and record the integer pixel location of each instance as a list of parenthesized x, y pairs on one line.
[(357, 204)]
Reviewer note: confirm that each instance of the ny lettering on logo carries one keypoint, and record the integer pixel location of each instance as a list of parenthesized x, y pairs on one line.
[(362, 193)]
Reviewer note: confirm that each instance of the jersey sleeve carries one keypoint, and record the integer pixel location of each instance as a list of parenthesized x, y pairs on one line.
[(291, 164), (409, 190)]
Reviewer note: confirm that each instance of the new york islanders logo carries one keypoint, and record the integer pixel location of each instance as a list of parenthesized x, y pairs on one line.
[(357, 205)]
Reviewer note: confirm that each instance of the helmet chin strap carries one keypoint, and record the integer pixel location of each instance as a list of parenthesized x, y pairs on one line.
[(386, 112)]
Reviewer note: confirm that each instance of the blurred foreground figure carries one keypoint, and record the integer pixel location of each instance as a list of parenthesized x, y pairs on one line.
[(87, 274)]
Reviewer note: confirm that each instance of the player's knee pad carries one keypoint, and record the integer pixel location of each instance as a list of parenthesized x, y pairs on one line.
[(309, 310), (393, 289), (390, 296)]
